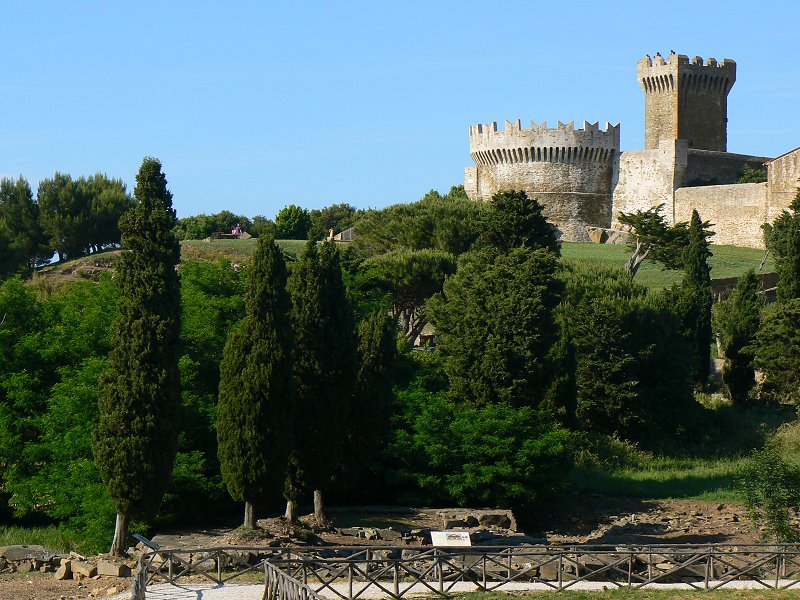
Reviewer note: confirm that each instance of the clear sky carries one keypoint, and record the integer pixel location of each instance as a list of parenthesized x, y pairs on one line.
[(253, 105)]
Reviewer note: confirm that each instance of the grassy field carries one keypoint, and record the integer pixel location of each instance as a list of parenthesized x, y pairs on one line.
[(50, 537), (235, 250), (661, 478), (727, 261)]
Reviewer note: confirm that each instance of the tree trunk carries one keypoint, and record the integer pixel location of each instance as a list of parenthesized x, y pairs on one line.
[(249, 516), (118, 546), (291, 511), (319, 509)]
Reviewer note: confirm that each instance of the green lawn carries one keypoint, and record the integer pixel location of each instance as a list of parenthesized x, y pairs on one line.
[(727, 261)]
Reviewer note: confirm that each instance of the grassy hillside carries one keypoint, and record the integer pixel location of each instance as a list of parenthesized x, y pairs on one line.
[(727, 261)]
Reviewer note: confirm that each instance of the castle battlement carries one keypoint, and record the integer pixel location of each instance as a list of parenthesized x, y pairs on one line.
[(540, 143), (657, 75)]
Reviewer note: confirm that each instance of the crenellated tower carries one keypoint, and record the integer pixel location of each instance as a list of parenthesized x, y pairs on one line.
[(686, 100), (568, 170)]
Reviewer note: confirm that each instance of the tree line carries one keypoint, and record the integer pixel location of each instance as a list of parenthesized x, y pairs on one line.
[(70, 217), (297, 381)]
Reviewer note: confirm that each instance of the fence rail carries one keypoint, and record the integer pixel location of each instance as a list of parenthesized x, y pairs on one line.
[(349, 572)]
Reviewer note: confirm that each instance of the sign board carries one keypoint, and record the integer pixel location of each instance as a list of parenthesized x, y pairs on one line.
[(450, 538)]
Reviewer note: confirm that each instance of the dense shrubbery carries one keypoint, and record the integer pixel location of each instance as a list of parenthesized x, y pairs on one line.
[(540, 365)]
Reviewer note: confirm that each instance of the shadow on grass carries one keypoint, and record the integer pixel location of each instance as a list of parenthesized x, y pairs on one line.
[(661, 485)]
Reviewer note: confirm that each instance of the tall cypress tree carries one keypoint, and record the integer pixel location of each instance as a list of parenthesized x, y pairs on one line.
[(785, 241), (255, 390), (325, 361), (139, 396), (369, 422), (695, 296), (736, 321)]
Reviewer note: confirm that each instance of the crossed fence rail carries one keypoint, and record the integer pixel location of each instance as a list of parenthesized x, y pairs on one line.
[(349, 573)]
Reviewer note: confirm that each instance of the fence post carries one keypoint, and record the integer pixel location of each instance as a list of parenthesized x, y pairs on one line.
[(396, 579)]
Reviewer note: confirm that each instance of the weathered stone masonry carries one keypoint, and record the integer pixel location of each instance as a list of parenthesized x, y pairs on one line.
[(582, 179)]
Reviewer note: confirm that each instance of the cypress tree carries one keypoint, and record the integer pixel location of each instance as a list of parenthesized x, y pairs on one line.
[(736, 321), (785, 241), (135, 440), (695, 297), (369, 423), (255, 390), (325, 369)]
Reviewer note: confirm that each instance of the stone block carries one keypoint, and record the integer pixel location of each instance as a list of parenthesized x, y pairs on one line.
[(24, 566), (84, 569), (64, 571), (112, 569)]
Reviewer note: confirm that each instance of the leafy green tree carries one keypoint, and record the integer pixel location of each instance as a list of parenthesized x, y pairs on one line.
[(776, 352), (410, 277), (261, 226), (448, 223), (369, 423), (750, 175), (784, 241), (446, 451), (109, 200), (516, 221), (325, 367), (255, 409), (81, 216), (22, 243), (771, 490), (653, 238), (495, 325), (336, 216), (632, 374), (135, 439), (695, 298), (65, 215), (495, 318), (292, 223), (736, 321)]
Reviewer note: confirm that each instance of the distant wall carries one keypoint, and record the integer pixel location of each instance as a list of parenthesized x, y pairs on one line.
[(783, 176), (736, 211)]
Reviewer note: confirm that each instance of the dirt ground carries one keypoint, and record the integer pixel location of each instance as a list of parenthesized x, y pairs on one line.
[(584, 520)]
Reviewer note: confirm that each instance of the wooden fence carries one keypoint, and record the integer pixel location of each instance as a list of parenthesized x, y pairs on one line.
[(347, 573)]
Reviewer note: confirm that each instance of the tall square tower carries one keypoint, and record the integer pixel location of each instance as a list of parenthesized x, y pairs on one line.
[(686, 100)]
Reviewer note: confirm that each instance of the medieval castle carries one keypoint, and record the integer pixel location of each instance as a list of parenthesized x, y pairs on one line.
[(583, 180)]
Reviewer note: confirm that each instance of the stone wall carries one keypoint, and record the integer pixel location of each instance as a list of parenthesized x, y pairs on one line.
[(736, 211), (647, 178), (573, 197), (783, 177), (724, 167)]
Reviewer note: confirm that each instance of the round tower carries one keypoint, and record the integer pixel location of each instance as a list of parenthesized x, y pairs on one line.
[(686, 100), (568, 171)]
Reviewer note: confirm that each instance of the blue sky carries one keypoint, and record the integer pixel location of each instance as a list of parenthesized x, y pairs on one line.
[(254, 105)]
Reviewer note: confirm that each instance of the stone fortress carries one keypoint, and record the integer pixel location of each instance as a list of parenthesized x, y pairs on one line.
[(583, 181)]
